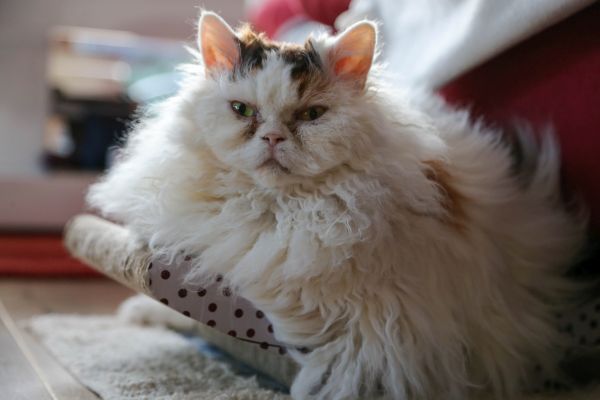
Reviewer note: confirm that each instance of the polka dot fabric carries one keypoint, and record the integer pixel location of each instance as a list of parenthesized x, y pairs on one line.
[(214, 305), (582, 327)]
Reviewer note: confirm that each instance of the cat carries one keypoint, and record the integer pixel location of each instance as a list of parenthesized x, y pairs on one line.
[(402, 245)]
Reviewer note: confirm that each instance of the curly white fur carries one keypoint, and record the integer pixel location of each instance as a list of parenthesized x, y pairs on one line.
[(402, 247)]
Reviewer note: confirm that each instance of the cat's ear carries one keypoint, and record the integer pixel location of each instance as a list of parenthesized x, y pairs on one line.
[(351, 54), (217, 42)]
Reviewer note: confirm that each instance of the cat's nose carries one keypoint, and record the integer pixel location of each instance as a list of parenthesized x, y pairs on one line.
[(273, 138)]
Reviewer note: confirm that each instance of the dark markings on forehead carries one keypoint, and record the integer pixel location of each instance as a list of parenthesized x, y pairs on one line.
[(306, 66), (254, 47), (303, 59)]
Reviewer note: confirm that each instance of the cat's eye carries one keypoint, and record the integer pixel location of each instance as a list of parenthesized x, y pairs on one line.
[(311, 113), (243, 109)]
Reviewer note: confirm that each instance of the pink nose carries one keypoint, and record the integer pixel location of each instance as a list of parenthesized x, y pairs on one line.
[(273, 138)]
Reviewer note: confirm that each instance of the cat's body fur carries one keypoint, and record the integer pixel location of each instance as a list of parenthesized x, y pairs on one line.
[(401, 245)]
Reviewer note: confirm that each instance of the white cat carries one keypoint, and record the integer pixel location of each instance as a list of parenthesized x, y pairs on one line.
[(400, 243)]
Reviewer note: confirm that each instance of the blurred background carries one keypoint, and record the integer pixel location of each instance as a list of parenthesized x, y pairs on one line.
[(67, 71), (37, 50), (73, 73)]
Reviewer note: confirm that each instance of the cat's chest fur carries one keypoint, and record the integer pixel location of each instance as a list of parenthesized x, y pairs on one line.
[(323, 215)]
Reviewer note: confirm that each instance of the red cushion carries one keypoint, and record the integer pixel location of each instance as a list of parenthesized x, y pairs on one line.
[(552, 77), (324, 12), (272, 14)]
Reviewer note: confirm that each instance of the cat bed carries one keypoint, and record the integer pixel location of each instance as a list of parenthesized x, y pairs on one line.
[(227, 321), (236, 326)]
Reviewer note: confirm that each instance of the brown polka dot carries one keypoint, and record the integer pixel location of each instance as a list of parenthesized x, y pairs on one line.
[(239, 313), (259, 314), (264, 345), (150, 267), (219, 278), (187, 258), (202, 292), (303, 350), (182, 293), (164, 301), (150, 282), (186, 313), (165, 274), (211, 323), (250, 333), (232, 333), (270, 328), (212, 307), (569, 328), (282, 350), (226, 292), (568, 352), (547, 384)]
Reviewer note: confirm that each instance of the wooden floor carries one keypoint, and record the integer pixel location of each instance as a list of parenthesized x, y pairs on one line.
[(27, 370)]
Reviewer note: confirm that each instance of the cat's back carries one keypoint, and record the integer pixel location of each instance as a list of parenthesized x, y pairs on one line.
[(507, 185)]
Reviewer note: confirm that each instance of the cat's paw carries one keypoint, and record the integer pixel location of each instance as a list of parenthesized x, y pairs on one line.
[(324, 376), (143, 310)]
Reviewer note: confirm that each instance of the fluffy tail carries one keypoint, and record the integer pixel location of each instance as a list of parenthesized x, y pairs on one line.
[(537, 161)]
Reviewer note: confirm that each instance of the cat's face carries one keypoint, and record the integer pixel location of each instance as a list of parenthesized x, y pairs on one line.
[(282, 113)]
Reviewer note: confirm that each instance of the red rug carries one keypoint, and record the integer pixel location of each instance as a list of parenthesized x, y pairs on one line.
[(38, 255)]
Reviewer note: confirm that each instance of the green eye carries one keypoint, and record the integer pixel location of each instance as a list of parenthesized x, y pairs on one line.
[(311, 113), (243, 109)]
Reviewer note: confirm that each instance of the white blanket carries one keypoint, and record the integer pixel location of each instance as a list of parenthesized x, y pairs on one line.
[(430, 42)]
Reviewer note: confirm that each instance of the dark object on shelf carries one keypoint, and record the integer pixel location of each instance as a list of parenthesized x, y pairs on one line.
[(90, 129)]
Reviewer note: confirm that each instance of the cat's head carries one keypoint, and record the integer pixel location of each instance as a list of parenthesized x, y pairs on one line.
[(282, 112)]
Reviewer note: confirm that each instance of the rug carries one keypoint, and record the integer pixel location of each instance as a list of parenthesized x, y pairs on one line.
[(118, 361), (122, 361), (38, 254)]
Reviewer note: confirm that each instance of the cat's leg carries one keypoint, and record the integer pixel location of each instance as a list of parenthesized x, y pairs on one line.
[(144, 310), (346, 369), (314, 381)]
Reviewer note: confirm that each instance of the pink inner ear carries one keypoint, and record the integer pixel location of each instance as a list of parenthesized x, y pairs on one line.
[(218, 43), (352, 54), (352, 66), (214, 59), (210, 58)]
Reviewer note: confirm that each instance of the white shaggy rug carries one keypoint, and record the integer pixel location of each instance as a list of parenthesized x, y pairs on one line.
[(123, 361)]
